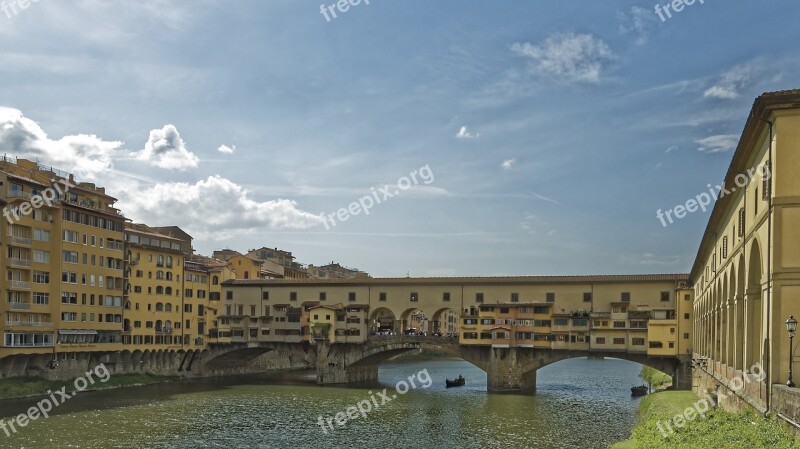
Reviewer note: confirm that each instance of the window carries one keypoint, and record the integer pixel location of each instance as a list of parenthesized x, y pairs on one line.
[(188, 293), (478, 297), (264, 296), (755, 202), (619, 341), (446, 296), (292, 296), (41, 256), (686, 336), (587, 297), (551, 297), (686, 297), (637, 341), (664, 296), (741, 222), (323, 296), (69, 277), (41, 298), (41, 235), (626, 296), (351, 296), (229, 295), (41, 277), (215, 280), (69, 298), (619, 324), (414, 297), (382, 296), (671, 345), (724, 247), (600, 340), (515, 297), (685, 316)]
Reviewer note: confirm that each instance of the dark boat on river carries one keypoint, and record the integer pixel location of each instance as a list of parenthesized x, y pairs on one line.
[(641, 390), (459, 382)]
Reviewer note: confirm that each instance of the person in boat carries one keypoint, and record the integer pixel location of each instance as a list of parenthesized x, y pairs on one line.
[(460, 377)]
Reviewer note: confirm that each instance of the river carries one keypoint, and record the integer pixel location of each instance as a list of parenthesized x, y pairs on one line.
[(580, 403)]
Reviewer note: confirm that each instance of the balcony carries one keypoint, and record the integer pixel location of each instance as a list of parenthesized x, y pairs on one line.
[(20, 306), (606, 315), (28, 324), (20, 262), (20, 240), (19, 194), (21, 285)]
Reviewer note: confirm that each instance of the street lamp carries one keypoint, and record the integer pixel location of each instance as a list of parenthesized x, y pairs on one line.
[(791, 326)]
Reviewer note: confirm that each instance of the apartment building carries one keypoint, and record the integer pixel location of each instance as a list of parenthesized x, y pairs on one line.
[(63, 261)]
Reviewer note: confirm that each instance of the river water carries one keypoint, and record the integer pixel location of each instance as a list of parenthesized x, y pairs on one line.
[(580, 403)]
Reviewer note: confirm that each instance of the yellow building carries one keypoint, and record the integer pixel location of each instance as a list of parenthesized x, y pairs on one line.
[(155, 305), (746, 275), (64, 264)]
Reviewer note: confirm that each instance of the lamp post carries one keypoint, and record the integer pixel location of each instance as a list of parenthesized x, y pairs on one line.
[(791, 326)]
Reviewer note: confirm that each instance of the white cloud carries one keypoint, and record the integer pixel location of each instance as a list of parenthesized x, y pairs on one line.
[(728, 87), (508, 164), (166, 149), (718, 144), (465, 133), (638, 21), (215, 207), (226, 149), (567, 57), (671, 149), (85, 155)]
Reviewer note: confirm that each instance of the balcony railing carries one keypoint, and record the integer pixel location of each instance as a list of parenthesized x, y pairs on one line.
[(20, 306), (29, 323), (30, 345), (21, 285), (600, 314), (20, 240), (21, 262), (19, 194)]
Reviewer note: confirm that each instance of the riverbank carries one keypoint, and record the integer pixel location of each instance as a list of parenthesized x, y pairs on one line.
[(23, 387), (715, 429)]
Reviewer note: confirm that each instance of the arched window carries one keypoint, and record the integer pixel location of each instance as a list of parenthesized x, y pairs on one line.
[(159, 307), (169, 261), (159, 274), (160, 260), (159, 290), (168, 291), (169, 275), (215, 280), (159, 327), (168, 307), (168, 326)]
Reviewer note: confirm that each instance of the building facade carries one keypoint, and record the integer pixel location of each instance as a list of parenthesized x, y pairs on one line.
[(746, 275)]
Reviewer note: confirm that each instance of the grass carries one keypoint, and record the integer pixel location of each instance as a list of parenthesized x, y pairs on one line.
[(717, 429), (19, 387)]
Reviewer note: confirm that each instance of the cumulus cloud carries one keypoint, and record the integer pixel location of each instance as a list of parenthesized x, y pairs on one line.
[(727, 88), (166, 149), (213, 208), (85, 155), (216, 206), (508, 164), (226, 149), (718, 144), (465, 133), (572, 58)]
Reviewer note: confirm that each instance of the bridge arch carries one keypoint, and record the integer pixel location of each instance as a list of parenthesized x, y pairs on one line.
[(754, 303), (383, 319)]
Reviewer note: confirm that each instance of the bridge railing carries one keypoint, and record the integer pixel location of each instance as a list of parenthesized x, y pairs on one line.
[(412, 339)]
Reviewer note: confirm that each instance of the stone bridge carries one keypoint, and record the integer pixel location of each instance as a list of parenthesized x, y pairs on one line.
[(507, 369)]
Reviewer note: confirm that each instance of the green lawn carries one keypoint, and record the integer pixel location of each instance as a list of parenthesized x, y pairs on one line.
[(716, 429)]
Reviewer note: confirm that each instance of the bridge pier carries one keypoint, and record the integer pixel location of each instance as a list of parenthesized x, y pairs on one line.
[(682, 375), (509, 370)]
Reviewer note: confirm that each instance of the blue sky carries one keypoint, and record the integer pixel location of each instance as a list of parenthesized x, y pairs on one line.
[(554, 130)]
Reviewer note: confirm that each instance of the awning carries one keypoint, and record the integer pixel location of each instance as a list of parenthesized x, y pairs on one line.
[(76, 332)]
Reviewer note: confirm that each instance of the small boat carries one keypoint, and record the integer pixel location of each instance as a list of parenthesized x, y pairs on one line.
[(641, 390), (459, 382)]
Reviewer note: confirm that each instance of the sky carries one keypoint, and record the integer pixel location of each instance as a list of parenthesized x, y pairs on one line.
[(413, 137)]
